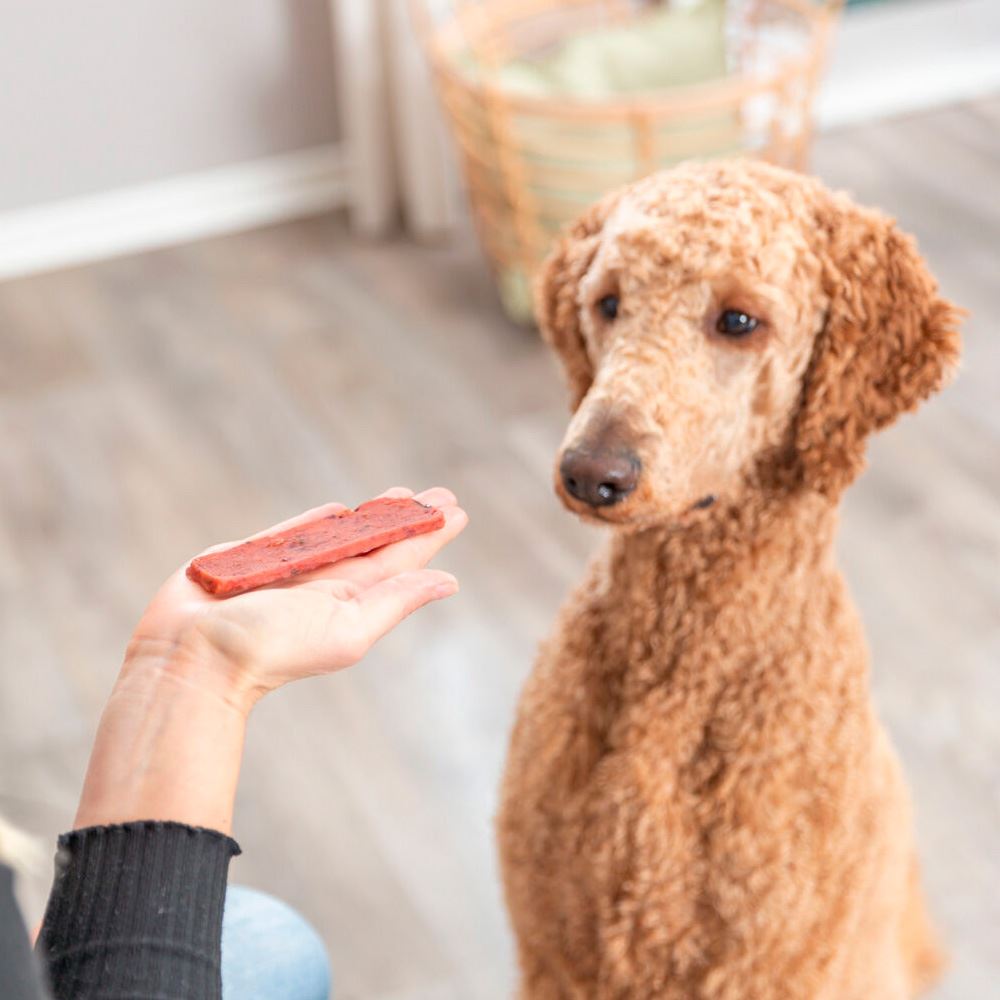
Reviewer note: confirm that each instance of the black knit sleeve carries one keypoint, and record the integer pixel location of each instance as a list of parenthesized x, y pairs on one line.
[(136, 913)]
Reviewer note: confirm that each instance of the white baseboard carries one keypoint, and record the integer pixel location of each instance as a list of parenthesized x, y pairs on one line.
[(904, 56), (187, 207)]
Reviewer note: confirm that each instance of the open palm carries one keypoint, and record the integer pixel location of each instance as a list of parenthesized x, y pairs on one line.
[(316, 623)]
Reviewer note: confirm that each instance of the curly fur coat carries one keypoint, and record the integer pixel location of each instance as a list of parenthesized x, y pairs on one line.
[(699, 800)]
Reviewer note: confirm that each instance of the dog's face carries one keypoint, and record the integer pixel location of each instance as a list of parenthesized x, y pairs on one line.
[(698, 325), (717, 317)]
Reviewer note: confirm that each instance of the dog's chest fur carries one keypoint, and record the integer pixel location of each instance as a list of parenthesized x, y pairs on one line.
[(688, 754)]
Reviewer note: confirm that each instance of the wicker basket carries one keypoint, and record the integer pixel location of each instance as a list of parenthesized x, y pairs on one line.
[(531, 163)]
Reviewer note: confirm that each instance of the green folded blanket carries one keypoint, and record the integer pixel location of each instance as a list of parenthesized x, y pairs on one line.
[(668, 47)]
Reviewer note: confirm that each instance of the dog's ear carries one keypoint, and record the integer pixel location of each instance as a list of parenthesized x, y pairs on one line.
[(888, 342), (557, 307)]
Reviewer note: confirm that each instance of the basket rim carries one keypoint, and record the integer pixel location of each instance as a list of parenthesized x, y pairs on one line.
[(682, 98)]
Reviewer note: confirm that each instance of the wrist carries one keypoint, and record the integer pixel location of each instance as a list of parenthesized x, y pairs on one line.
[(168, 746), (187, 668)]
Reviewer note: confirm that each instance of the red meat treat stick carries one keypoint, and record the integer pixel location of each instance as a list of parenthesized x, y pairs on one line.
[(272, 558)]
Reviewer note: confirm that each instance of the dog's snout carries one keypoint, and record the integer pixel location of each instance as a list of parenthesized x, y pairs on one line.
[(601, 477)]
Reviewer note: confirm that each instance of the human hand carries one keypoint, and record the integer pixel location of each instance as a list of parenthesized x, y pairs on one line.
[(244, 646)]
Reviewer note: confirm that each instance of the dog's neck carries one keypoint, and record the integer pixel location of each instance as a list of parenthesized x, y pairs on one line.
[(735, 571), (758, 542), (690, 605), (692, 608)]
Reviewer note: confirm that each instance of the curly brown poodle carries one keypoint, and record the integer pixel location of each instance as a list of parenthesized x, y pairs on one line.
[(700, 800)]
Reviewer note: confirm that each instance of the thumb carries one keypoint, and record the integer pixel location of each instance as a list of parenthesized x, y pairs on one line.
[(385, 604)]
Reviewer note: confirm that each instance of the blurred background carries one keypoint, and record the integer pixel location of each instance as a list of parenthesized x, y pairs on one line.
[(257, 255)]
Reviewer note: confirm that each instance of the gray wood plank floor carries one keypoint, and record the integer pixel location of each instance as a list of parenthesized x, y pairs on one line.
[(154, 404)]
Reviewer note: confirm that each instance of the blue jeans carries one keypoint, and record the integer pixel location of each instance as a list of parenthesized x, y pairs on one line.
[(269, 952)]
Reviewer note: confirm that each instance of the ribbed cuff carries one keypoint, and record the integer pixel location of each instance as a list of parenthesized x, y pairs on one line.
[(136, 912)]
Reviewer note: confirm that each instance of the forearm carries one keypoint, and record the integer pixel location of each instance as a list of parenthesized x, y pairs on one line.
[(136, 909), (168, 747)]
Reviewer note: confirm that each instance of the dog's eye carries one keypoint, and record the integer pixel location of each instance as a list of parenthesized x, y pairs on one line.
[(608, 306), (735, 323)]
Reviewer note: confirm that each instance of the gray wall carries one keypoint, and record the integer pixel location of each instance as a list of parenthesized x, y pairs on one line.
[(97, 94)]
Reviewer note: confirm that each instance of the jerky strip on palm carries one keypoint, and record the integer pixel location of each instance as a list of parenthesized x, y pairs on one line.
[(286, 554)]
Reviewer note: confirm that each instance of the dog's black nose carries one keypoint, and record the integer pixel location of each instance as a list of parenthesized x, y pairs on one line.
[(599, 478)]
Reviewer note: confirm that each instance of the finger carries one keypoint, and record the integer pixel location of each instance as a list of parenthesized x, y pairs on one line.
[(381, 607), (397, 493), (399, 557), (342, 590), (437, 496)]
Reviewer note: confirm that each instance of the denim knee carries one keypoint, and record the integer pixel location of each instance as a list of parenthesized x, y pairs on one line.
[(269, 952)]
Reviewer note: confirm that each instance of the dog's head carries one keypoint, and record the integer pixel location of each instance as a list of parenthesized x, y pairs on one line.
[(727, 324)]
